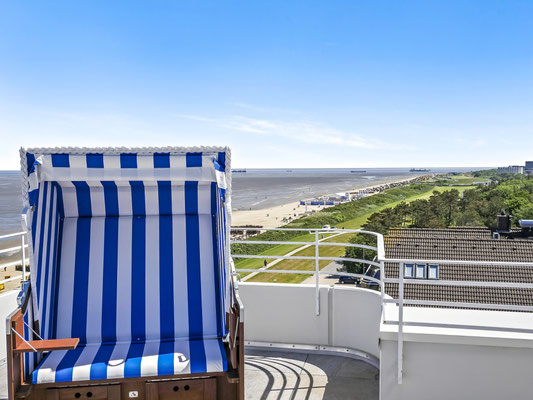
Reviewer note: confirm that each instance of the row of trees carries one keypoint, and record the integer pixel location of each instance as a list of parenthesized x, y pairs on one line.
[(474, 207)]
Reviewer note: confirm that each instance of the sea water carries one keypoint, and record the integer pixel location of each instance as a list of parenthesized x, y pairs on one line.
[(253, 189)]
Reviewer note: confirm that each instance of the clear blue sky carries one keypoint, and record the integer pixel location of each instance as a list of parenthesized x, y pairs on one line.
[(285, 84)]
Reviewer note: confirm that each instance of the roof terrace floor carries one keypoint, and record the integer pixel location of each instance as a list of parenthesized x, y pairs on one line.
[(290, 375)]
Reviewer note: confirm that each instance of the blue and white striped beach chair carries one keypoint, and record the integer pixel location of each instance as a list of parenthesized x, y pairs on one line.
[(131, 286)]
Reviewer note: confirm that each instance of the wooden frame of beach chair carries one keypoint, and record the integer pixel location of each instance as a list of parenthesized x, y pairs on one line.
[(98, 199)]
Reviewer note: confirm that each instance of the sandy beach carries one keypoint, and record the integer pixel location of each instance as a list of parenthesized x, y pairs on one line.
[(273, 217)]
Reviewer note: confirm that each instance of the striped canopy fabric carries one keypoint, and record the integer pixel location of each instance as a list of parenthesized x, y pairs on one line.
[(129, 253)]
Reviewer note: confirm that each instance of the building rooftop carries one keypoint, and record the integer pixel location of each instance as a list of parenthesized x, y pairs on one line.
[(469, 244)]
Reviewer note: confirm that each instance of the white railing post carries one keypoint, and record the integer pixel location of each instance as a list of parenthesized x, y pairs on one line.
[(382, 286), (23, 250), (317, 275), (400, 324)]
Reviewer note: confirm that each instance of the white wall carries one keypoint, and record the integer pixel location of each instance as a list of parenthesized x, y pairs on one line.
[(285, 313), (356, 317), (440, 371), (457, 354), (8, 303)]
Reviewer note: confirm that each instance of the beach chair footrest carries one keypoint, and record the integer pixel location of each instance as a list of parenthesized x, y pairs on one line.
[(190, 389), (111, 392)]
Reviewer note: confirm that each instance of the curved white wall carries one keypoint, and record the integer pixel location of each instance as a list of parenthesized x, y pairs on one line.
[(285, 313), (8, 304)]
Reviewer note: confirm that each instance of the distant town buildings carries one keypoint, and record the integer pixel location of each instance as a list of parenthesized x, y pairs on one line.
[(517, 169), (511, 169), (529, 168)]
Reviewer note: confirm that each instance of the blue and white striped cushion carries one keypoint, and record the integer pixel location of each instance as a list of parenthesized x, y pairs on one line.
[(132, 360)]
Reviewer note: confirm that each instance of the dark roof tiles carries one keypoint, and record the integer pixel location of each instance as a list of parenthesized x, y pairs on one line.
[(470, 244)]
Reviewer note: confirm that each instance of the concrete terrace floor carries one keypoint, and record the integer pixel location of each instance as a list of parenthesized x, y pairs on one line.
[(290, 375)]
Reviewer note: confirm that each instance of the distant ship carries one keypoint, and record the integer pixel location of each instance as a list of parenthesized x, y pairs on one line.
[(419, 170), (288, 170), (238, 171), (358, 172)]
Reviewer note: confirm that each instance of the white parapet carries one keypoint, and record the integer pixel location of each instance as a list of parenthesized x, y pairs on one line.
[(457, 354), (8, 304), (285, 314)]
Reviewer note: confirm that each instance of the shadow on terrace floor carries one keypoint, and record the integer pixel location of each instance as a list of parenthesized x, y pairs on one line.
[(289, 375)]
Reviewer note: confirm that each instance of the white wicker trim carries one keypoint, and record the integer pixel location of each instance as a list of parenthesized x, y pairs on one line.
[(118, 150), (24, 176)]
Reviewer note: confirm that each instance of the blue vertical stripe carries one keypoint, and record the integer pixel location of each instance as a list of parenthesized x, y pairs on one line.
[(161, 160), (66, 365), (128, 160), (50, 246), (165, 361), (83, 198), (53, 277), (81, 263), (166, 265), (223, 355), (194, 160), (99, 364), (30, 160), (60, 160), (222, 159), (34, 215), (198, 360), (132, 366), (42, 211), (216, 263), (224, 249), (95, 160), (194, 289), (138, 262), (57, 262), (109, 288)]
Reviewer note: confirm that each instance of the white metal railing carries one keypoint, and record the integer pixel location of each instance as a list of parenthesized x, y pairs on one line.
[(23, 259), (401, 301), (316, 258)]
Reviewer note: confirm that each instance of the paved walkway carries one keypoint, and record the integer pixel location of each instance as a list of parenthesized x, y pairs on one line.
[(288, 375), (326, 279), (271, 264)]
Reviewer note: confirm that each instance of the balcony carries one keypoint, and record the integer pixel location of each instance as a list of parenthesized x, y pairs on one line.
[(341, 341)]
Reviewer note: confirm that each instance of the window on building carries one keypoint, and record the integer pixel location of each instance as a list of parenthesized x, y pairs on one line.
[(420, 271), (433, 271), (409, 271)]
